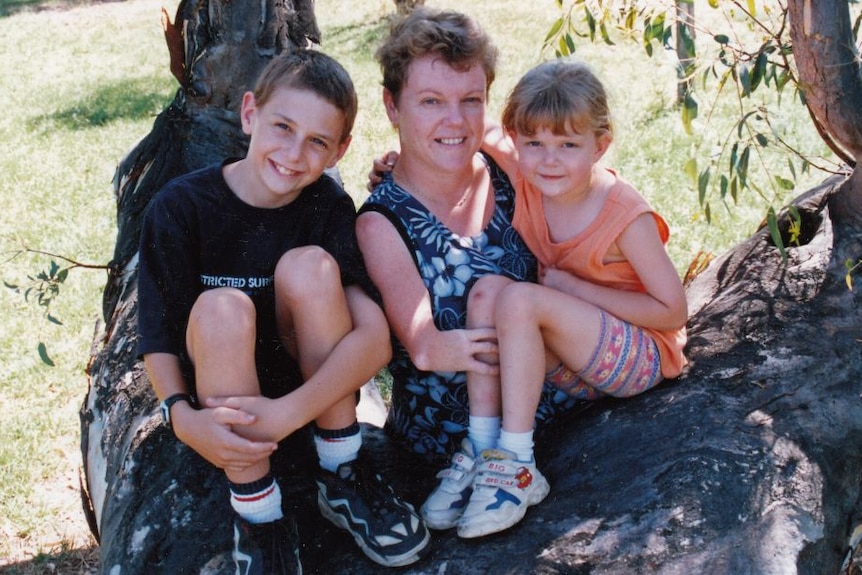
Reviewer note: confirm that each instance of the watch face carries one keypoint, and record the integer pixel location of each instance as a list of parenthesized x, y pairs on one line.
[(166, 413)]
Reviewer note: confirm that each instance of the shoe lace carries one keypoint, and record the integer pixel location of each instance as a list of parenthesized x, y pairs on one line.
[(374, 491)]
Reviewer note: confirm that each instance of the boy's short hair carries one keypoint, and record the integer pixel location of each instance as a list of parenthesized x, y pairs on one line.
[(454, 37), (559, 95), (311, 70)]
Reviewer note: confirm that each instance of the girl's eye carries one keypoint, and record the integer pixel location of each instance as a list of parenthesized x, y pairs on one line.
[(430, 101)]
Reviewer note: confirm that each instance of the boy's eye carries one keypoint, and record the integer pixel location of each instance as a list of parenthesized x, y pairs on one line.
[(283, 126), (430, 101), (533, 143), (570, 145), (318, 143)]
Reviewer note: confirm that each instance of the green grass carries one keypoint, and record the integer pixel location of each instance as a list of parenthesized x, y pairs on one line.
[(83, 85)]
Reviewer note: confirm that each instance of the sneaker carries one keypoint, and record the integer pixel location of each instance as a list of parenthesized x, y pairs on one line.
[(266, 548), (502, 491), (446, 503), (387, 529)]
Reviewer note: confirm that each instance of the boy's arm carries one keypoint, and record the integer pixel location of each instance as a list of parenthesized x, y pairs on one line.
[(357, 357), (207, 431)]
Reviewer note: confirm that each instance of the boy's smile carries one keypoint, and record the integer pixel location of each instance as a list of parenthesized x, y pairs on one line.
[(295, 135)]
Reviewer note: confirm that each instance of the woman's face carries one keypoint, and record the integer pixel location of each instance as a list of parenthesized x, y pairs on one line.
[(440, 114)]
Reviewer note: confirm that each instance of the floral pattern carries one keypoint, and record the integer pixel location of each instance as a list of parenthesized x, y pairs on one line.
[(429, 409)]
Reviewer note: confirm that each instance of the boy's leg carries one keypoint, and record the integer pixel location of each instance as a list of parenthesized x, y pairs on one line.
[(221, 342), (312, 304)]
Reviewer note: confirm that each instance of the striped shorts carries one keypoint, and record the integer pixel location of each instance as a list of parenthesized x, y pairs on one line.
[(625, 362)]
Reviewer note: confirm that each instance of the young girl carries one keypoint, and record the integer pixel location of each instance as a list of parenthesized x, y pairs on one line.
[(607, 317)]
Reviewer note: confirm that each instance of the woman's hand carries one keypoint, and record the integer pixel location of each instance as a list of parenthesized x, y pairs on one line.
[(460, 350), (210, 432)]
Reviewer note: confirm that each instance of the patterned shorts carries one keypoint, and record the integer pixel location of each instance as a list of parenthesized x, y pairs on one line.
[(625, 362)]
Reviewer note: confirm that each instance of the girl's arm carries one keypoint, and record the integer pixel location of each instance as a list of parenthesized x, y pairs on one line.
[(663, 306)]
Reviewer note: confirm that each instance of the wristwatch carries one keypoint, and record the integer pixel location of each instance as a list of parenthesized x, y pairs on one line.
[(165, 406)]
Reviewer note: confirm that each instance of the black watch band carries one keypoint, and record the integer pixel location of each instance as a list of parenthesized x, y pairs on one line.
[(165, 406)]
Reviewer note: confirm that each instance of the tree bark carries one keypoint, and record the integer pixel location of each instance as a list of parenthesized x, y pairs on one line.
[(748, 463)]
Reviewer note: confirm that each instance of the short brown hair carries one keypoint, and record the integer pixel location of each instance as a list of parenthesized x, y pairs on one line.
[(559, 95), (316, 72), (455, 37)]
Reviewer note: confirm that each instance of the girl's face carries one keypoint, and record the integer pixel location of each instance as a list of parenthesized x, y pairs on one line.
[(560, 165), (440, 114)]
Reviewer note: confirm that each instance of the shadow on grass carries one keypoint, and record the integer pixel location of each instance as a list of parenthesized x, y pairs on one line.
[(127, 100), (84, 561), (10, 7)]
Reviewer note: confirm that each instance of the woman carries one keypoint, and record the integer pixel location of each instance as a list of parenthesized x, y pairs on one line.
[(438, 222)]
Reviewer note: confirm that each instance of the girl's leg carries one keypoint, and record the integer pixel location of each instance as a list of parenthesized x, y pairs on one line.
[(484, 390), (530, 318)]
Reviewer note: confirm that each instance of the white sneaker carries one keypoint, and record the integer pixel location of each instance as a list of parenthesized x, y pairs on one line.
[(502, 491), (446, 503)]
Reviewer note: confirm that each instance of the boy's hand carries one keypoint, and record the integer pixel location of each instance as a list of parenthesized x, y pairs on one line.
[(381, 166), (210, 432), (271, 419)]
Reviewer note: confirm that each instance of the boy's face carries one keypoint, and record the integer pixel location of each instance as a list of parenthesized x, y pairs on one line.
[(295, 135), (559, 165)]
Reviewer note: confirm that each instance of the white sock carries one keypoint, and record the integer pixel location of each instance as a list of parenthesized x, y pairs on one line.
[(521, 444), (483, 432), (258, 501), (337, 447)]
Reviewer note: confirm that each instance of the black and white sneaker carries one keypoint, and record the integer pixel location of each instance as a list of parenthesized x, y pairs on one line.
[(266, 548), (388, 530)]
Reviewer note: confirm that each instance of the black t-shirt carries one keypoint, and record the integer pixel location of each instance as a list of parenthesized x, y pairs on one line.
[(199, 235)]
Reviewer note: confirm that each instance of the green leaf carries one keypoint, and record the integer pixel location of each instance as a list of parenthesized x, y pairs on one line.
[(744, 79), (713, 3), (762, 140), (690, 169), (689, 112), (43, 355), (53, 319), (555, 28), (702, 185), (721, 38), (784, 183), (775, 233), (10, 286)]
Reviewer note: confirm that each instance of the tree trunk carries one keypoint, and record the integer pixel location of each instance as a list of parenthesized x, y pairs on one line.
[(748, 463)]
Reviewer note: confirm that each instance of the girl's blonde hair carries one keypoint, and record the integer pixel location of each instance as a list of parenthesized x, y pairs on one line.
[(559, 95)]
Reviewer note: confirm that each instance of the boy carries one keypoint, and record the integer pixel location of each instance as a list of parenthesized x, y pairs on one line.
[(249, 289)]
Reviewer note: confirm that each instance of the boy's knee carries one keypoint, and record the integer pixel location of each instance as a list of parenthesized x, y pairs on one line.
[(308, 269), (222, 307)]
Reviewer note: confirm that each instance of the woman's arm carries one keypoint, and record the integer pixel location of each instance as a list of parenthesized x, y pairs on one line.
[(408, 305)]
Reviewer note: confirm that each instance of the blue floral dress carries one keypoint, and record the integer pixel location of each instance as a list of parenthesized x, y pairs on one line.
[(429, 410)]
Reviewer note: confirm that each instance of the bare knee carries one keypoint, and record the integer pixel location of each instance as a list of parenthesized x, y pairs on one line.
[(482, 299), (304, 274), (223, 308), (517, 302)]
